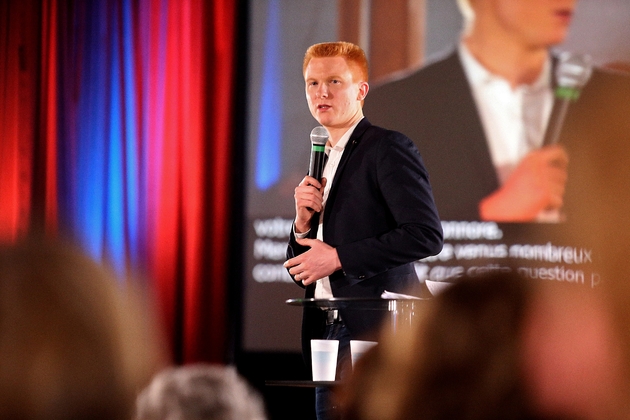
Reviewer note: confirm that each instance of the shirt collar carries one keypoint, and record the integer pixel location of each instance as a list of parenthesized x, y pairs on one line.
[(478, 75), (341, 144)]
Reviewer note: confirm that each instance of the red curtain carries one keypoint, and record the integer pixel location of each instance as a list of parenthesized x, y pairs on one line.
[(116, 126), (18, 78)]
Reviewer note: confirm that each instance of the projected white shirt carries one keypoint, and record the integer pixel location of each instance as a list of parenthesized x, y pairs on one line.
[(514, 120)]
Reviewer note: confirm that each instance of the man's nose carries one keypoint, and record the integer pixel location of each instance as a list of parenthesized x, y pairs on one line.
[(322, 92)]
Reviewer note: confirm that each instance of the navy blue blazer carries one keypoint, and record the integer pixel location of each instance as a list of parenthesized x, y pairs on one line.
[(381, 217)]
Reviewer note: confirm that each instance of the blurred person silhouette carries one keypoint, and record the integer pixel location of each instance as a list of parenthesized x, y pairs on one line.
[(479, 116), (605, 226), (457, 361), (199, 392), (572, 354), (498, 347), (73, 343)]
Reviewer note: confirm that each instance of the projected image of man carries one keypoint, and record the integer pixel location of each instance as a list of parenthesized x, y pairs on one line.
[(481, 113)]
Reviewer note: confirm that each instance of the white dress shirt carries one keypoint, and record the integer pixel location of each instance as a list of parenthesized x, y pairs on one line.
[(322, 287), (514, 120)]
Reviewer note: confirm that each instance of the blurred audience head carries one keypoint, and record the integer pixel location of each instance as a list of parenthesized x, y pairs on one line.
[(459, 360), (199, 392), (496, 347), (600, 221), (572, 357), (74, 343)]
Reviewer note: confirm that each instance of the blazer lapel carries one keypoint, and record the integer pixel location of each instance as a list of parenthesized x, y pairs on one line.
[(478, 150), (353, 142)]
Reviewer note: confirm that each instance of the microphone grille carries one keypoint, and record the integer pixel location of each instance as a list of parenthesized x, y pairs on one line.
[(573, 70), (319, 135)]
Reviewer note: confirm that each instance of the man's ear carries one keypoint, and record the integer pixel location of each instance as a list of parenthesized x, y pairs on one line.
[(364, 87)]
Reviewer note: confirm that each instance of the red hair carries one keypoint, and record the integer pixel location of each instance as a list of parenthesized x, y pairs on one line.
[(353, 54)]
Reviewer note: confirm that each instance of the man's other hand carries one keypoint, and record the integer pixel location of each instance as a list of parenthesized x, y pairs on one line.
[(318, 262)]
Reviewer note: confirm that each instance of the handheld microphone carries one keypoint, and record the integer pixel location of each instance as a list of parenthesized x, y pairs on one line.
[(319, 137), (572, 73)]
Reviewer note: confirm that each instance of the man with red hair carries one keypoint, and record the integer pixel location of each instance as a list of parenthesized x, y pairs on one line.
[(358, 232)]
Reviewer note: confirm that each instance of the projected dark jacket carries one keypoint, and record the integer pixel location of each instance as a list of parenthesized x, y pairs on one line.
[(381, 217), (435, 107)]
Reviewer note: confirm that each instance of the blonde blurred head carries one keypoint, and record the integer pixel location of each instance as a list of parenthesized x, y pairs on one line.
[(74, 344)]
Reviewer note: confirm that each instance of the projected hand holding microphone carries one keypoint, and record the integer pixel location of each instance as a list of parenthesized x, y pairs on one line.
[(534, 191), (572, 73)]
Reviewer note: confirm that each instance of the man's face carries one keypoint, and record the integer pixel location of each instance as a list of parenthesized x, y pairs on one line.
[(536, 22), (333, 96)]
